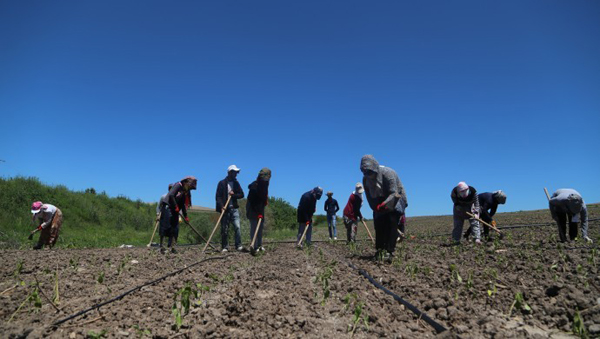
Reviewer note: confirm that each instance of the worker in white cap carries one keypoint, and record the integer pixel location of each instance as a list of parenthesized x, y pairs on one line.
[(231, 215)]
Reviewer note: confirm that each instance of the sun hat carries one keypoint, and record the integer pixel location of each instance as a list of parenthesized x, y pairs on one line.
[(359, 188), (500, 196), (36, 207), (192, 180), (232, 168), (463, 189), (329, 193), (265, 174)]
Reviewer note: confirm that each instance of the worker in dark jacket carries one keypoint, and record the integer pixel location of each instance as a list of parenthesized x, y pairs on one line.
[(331, 208), (465, 200), (258, 199), (488, 204), (306, 209), (352, 213), (387, 199), (567, 207), (171, 205), (230, 187)]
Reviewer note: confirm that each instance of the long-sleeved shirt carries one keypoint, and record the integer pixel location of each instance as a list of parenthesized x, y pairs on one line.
[(385, 188), (258, 196), (175, 198), (488, 206), (307, 207), (331, 206), (352, 209), (45, 215), (223, 193), (469, 204), (569, 201)]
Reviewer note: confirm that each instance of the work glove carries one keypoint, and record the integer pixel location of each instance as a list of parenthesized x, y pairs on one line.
[(494, 223), (39, 227), (176, 208), (260, 216), (308, 223), (381, 207), (187, 219)]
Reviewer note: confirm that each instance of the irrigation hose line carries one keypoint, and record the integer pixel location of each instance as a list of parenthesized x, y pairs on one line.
[(437, 326), (121, 296)]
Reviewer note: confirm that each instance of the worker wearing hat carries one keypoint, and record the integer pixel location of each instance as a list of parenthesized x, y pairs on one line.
[(258, 199), (306, 209), (568, 208), (465, 201), (171, 205), (352, 212), (230, 187), (50, 220), (331, 207), (488, 204)]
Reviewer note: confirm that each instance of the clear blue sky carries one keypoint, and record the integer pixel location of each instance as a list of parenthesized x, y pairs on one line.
[(127, 96)]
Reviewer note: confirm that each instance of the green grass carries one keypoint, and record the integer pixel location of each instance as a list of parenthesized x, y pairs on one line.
[(97, 220)]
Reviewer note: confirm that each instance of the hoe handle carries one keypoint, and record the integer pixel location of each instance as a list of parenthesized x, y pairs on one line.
[(303, 234), (483, 222), (255, 233), (200, 235), (547, 195), (369, 232), (155, 227), (217, 224)]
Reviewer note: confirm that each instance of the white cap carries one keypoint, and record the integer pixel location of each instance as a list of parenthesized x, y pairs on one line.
[(359, 188), (232, 168)]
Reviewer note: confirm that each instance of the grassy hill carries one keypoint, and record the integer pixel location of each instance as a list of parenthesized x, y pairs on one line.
[(97, 220)]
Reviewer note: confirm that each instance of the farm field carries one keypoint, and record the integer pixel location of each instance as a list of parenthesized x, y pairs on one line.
[(524, 285)]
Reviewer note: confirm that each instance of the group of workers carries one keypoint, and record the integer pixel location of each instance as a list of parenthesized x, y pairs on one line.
[(384, 192)]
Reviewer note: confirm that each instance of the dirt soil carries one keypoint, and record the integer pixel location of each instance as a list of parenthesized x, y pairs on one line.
[(287, 292)]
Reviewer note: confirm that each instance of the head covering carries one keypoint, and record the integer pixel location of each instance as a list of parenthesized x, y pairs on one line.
[(232, 168), (500, 196), (192, 180), (463, 189), (36, 207), (359, 188), (329, 193), (368, 163), (318, 191), (264, 174)]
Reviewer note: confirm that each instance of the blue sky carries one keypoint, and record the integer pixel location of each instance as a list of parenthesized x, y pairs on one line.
[(127, 96)]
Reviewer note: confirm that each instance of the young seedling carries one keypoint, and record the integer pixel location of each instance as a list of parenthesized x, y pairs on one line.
[(94, 335), (578, 326), (140, 332), (454, 272), (182, 303), (520, 304), (34, 300)]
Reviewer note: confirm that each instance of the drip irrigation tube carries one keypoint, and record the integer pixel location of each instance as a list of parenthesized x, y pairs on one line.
[(131, 291), (437, 326)]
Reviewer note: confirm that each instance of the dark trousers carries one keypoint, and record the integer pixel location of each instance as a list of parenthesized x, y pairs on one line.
[(562, 219), (386, 231)]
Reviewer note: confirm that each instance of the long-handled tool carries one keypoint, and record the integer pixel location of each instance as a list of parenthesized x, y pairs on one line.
[(303, 235), (198, 233), (255, 234), (485, 223), (369, 232), (547, 195), (155, 228), (218, 222)]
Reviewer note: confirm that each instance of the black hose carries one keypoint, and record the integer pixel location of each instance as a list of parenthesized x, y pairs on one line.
[(131, 291)]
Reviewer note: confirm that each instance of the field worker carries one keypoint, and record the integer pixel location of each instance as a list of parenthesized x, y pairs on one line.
[(488, 204), (352, 213), (306, 209), (387, 199), (465, 200), (258, 199), (331, 207), (172, 203), (567, 206), (230, 187), (50, 219)]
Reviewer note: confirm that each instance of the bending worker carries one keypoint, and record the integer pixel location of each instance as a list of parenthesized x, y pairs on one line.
[(387, 199), (258, 199), (306, 209), (567, 206), (488, 204), (171, 205), (465, 200), (352, 213), (50, 219)]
